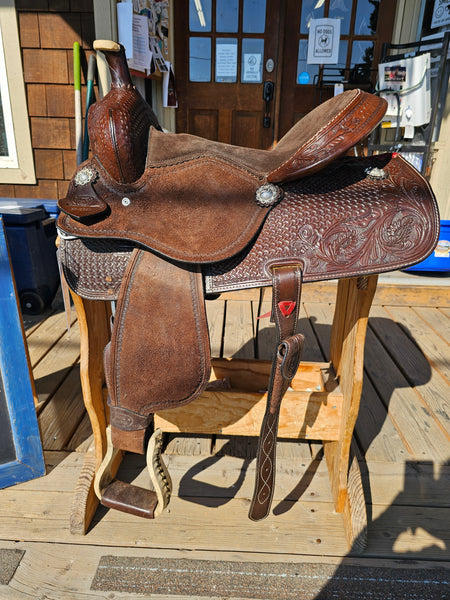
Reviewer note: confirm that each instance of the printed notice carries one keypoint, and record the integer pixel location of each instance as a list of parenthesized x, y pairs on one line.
[(226, 62), (252, 68), (323, 41), (142, 57), (441, 13)]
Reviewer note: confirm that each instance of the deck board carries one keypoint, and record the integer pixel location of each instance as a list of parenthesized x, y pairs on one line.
[(434, 347), (402, 431)]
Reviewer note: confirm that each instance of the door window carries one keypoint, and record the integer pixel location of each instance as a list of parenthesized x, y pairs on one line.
[(311, 9), (227, 16), (226, 60), (359, 20), (254, 18), (200, 15), (252, 60), (366, 17), (341, 10), (200, 59), (231, 59)]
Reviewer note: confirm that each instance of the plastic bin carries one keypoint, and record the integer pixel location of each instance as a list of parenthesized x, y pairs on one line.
[(31, 236), (439, 260)]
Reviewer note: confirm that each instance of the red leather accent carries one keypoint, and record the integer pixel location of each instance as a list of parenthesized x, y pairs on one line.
[(286, 307), (265, 315)]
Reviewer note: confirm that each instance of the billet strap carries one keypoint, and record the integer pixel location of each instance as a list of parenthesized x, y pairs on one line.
[(287, 282)]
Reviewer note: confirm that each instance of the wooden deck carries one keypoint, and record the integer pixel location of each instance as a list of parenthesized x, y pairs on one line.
[(402, 436)]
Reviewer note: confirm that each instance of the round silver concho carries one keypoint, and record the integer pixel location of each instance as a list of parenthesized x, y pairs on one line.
[(85, 175), (268, 195), (376, 173)]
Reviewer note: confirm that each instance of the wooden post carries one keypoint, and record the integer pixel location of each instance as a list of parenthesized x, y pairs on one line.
[(353, 302), (93, 319)]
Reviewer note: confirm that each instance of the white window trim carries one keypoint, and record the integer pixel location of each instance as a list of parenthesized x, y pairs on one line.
[(19, 167)]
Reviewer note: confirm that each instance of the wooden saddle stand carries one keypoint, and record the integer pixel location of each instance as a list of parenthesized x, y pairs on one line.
[(157, 222)]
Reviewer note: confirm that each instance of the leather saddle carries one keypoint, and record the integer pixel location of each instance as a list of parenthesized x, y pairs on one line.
[(154, 221)]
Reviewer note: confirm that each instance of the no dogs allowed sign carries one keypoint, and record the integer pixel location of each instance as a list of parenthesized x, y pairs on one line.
[(323, 41)]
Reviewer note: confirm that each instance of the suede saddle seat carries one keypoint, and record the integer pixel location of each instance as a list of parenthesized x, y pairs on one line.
[(191, 186)]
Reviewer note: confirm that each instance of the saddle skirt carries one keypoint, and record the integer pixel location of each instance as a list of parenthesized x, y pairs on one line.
[(199, 217)]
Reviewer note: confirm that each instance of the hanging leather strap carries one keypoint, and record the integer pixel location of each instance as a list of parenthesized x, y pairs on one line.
[(286, 292)]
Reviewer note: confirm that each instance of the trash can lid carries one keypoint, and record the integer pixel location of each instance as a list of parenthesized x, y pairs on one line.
[(18, 215)]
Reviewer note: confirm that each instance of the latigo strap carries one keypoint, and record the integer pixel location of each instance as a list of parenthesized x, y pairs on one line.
[(286, 292)]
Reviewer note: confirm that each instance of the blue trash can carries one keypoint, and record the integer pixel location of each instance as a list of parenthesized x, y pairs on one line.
[(31, 236), (439, 260)]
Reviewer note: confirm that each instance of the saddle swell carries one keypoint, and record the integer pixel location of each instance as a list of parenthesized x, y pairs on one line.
[(153, 220), (118, 132)]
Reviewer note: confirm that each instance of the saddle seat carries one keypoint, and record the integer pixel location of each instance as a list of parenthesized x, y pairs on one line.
[(318, 138)]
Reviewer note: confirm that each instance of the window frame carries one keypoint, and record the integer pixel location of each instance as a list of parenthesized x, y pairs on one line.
[(22, 169)]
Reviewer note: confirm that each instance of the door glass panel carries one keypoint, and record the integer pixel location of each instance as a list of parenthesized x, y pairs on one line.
[(311, 9), (361, 61), (226, 60), (254, 20), (306, 74), (336, 73), (200, 59), (200, 15), (252, 60), (366, 17), (341, 9), (227, 16)]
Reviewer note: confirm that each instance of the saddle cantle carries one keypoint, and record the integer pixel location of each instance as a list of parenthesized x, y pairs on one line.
[(154, 220)]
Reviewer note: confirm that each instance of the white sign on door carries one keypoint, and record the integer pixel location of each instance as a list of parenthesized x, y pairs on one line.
[(323, 41), (441, 13), (252, 68), (226, 61)]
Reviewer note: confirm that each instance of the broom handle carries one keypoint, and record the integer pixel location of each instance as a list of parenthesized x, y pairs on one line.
[(77, 90)]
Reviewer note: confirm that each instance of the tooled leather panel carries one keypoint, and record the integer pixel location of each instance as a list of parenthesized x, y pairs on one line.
[(93, 268), (118, 130), (354, 123), (340, 223)]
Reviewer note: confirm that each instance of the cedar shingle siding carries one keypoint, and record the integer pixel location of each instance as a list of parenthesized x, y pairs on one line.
[(47, 30)]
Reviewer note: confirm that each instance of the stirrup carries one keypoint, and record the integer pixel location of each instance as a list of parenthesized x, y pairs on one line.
[(131, 498)]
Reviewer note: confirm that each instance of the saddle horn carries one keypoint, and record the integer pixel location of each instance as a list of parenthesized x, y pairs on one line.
[(119, 123)]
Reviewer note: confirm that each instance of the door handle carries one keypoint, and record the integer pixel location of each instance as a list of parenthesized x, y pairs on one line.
[(268, 89)]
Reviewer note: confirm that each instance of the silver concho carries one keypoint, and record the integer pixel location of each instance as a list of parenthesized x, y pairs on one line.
[(268, 195), (376, 173), (85, 175)]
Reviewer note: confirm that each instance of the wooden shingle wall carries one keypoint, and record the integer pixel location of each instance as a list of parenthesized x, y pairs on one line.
[(47, 30)]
